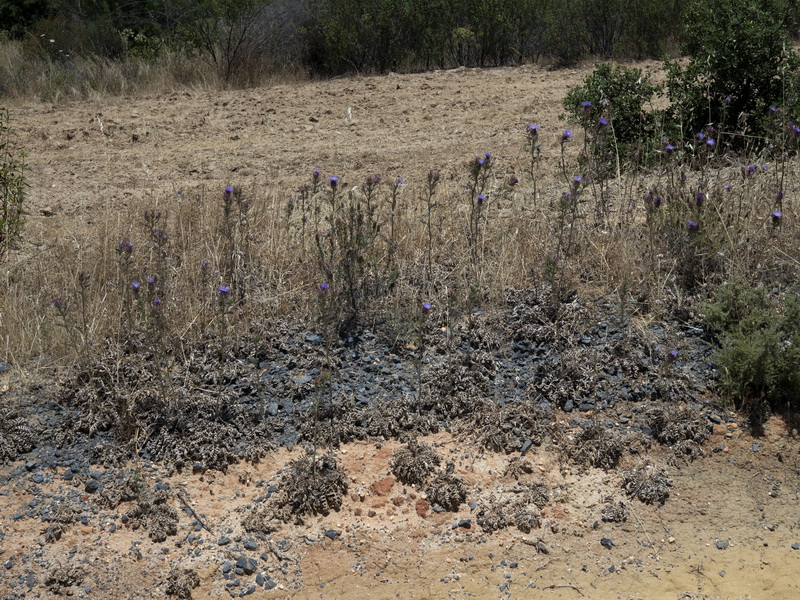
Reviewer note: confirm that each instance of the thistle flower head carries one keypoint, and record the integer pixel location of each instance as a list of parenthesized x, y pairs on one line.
[(586, 105), (224, 291), (776, 217), (603, 122), (136, 286), (59, 303), (399, 181), (533, 130), (669, 148), (323, 288), (512, 180), (333, 181), (426, 307), (710, 142), (567, 135), (481, 199), (672, 356), (433, 176), (156, 303), (692, 225)]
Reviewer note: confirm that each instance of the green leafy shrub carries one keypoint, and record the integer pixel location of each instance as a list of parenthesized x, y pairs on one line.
[(620, 95), (759, 354), (740, 63), (12, 184)]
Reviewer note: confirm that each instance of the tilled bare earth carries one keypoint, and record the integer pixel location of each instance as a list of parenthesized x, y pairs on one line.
[(91, 517)]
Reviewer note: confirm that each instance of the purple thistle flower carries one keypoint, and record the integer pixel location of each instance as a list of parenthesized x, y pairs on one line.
[(658, 201), (576, 181), (567, 135), (776, 217), (373, 180), (586, 105), (151, 282), (513, 180), (780, 194), (228, 190), (669, 148), (481, 198), (699, 198), (701, 136), (156, 303), (59, 303), (125, 247), (426, 306), (399, 181), (672, 356), (204, 265), (692, 226), (135, 286), (333, 181), (488, 156), (728, 100), (533, 130), (603, 122), (433, 176), (315, 174), (224, 291), (323, 288), (710, 142)]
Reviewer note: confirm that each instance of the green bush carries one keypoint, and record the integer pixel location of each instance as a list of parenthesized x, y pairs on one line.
[(759, 354), (12, 185), (740, 64), (620, 95)]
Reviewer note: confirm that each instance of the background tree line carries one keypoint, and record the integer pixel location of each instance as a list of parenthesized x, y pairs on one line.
[(245, 38)]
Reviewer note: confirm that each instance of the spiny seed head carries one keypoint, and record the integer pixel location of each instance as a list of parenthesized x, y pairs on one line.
[(125, 247), (434, 176), (373, 180), (204, 265)]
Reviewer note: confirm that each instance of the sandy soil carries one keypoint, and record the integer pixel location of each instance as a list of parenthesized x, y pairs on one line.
[(89, 156)]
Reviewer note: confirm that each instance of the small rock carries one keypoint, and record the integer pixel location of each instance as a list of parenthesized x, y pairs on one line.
[(526, 446), (722, 544), (795, 546), (465, 523), (227, 567), (247, 565), (224, 540), (332, 534), (715, 419), (607, 543), (92, 486)]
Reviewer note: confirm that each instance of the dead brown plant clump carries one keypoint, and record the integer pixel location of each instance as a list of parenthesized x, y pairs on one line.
[(448, 491), (181, 582), (648, 481), (414, 463), (597, 447)]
